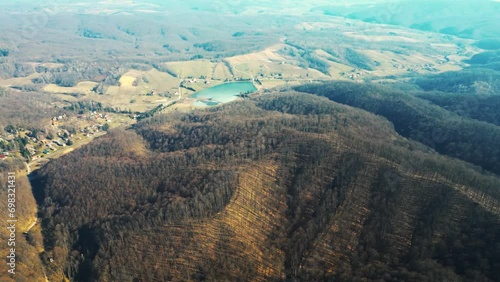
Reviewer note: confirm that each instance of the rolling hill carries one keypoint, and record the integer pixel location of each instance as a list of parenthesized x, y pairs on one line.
[(289, 186), (370, 150)]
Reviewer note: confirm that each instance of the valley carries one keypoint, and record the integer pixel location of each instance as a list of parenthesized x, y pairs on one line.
[(251, 141)]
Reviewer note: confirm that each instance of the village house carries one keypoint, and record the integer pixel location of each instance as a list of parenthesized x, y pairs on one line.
[(30, 149), (59, 143)]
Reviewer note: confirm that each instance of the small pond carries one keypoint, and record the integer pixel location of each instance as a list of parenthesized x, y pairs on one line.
[(222, 93)]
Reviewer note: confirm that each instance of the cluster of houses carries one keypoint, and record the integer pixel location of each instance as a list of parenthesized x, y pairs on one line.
[(354, 74), (90, 130), (39, 142), (56, 120), (427, 67), (204, 79), (95, 116), (51, 145), (30, 149)]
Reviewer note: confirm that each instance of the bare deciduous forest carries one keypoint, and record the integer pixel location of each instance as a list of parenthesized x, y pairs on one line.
[(251, 140), (347, 198)]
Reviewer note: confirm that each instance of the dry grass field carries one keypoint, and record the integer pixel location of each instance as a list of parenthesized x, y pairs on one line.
[(195, 68), (84, 87), (18, 81)]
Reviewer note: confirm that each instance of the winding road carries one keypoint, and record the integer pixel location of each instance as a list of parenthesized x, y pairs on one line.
[(243, 72)]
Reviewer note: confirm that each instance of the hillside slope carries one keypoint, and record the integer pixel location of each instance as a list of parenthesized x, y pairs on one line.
[(290, 186), (27, 241), (445, 131)]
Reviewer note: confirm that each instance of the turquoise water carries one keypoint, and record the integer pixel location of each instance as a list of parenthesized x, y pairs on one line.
[(223, 93)]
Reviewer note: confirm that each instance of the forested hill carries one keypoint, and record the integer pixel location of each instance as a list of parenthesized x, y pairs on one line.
[(279, 187), (459, 125)]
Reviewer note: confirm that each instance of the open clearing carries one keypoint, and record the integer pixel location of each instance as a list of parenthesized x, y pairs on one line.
[(195, 68), (380, 38), (84, 87)]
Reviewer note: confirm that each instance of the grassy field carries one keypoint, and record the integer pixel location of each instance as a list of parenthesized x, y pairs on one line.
[(195, 68), (221, 72), (84, 87), (133, 91), (18, 81)]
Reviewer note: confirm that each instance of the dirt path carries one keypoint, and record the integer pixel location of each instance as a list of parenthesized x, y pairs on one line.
[(243, 72), (32, 225)]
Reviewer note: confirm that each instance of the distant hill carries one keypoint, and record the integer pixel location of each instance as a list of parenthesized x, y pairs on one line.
[(447, 132), (487, 59), (489, 44), (471, 81), (467, 19)]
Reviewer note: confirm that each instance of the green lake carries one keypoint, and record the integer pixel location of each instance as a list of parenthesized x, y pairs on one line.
[(222, 93)]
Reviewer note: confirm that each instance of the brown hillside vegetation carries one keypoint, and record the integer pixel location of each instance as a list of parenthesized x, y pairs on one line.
[(280, 187), (27, 245)]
